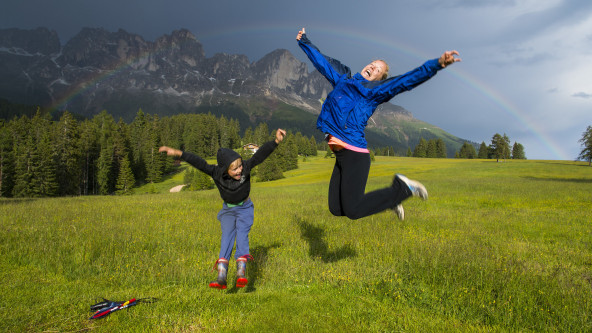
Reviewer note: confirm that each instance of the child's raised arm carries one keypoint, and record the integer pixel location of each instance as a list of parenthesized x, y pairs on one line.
[(170, 151), (279, 135)]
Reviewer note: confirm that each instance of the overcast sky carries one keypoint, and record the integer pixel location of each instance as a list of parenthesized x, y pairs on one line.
[(526, 69)]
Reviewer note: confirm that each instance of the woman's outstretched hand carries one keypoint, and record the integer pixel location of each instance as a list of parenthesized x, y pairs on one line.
[(447, 58), (300, 33)]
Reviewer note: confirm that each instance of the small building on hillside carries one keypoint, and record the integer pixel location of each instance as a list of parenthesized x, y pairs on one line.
[(251, 147)]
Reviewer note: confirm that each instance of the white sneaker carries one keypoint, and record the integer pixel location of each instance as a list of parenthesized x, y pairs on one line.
[(416, 187), (400, 212)]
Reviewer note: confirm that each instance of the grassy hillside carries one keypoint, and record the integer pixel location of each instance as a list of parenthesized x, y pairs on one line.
[(497, 247)]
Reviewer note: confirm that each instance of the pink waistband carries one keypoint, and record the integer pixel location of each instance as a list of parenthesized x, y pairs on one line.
[(336, 144)]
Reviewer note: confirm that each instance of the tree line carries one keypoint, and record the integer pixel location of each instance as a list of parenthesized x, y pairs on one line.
[(499, 149), (40, 157), (436, 148)]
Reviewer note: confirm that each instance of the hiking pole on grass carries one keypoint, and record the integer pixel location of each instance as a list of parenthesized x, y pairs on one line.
[(105, 307)]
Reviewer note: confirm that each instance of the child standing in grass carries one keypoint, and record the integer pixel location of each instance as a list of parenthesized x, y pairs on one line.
[(343, 119), (232, 176)]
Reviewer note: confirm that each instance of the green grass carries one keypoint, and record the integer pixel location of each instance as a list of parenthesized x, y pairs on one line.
[(497, 247)]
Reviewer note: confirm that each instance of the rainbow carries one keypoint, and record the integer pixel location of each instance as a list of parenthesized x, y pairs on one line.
[(102, 75), (512, 110), (398, 47)]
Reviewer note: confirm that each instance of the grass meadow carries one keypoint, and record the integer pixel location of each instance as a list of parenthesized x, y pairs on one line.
[(498, 247)]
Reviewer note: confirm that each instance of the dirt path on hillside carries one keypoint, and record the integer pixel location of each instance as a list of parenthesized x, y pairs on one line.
[(176, 188)]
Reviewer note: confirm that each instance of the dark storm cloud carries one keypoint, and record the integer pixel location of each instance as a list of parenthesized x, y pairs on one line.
[(473, 3), (564, 14)]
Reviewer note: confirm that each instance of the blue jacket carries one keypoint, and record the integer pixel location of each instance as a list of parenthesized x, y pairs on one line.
[(354, 99)]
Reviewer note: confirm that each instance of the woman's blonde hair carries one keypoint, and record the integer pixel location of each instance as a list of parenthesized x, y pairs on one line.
[(386, 70)]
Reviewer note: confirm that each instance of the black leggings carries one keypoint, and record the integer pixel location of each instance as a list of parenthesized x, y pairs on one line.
[(348, 183)]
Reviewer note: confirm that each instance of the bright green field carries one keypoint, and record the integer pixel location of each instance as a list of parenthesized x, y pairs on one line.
[(497, 247)]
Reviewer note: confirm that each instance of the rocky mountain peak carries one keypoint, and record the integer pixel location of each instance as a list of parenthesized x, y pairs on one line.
[(101, 49), (99, 69), (40, 40), (280, 69), (181, 45)]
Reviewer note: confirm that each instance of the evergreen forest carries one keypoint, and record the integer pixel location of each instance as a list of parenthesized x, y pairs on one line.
[(41, 157)]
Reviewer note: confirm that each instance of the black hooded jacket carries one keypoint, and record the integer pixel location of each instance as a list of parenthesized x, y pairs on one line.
[(231, 190)]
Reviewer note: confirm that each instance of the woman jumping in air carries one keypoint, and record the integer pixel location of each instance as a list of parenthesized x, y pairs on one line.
[(343, 119)]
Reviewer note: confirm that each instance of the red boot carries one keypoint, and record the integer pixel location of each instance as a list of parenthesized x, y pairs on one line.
[(222, 266), (241, 271)]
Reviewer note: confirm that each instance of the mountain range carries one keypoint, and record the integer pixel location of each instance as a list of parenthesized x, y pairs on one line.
[(121, 72)]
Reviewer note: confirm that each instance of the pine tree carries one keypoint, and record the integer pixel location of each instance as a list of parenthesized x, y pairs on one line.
[(440, 148), (23, 169), (507, 150), (224, 126), (106, 162), (171, 134), (201, 181), (287, 153), (432, 149), (105, 167), (121, 151), (125, 180), (261, 134), (139, 141), (385, 151), (483, 151), (45, 182), (421, 148), (89, 151), (301, 144), (188, 176), (213, 146), (270, 169), (6, 160), (248, 136), (234, 134), (196, 180), (69, 163), (500, 146), (518, 152), (21, 154), (467, 151), (155, 161), (313, 146), (586, 141), (200, 135), (284, 158)]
